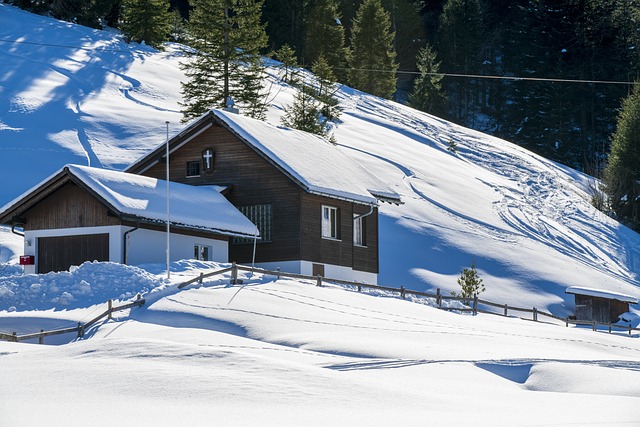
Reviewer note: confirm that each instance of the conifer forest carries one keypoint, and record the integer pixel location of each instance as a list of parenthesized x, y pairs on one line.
[(549, 75)]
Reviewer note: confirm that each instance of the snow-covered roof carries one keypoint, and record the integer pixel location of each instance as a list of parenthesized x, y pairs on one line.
[(141, 197), (600, 293), (318, 165)]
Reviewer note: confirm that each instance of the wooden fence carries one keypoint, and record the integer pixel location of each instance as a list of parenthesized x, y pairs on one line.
[(80, 329), (473, 305)]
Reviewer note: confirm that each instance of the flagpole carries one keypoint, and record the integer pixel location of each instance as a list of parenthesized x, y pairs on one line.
[(168, 215)]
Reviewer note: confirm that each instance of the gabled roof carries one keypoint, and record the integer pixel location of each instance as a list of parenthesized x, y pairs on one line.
[(140, 198), (600, 293), (318, 166)]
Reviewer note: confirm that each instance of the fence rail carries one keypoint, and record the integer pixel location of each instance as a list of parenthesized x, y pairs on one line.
[(474, 304), (80, 329)]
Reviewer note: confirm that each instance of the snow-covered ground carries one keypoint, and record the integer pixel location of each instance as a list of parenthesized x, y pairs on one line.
[(284, 352)]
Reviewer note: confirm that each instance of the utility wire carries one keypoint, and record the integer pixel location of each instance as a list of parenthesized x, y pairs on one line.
[(470, 76)]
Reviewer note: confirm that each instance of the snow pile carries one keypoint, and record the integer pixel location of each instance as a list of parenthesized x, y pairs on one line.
[(90, 283)]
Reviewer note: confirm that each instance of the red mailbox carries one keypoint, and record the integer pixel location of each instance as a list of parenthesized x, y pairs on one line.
[(27, 260)]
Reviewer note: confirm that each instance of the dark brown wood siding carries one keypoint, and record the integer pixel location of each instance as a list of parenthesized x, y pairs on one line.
[(70, 206), (60, 253), (341, 251), (254, 181)]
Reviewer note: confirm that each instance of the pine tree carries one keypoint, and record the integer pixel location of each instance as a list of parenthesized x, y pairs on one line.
[(324, 36), (371, 56), (622, 173), (146, 21), (287, 56), (427, 92), (226, 37), (325, 92), (304, 114), (470, 282)]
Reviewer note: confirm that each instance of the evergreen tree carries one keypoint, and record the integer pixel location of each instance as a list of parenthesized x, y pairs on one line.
[(427, 92), (226, 37), (324, 36), (326, 89), (371, 56), (146, 20), (470, 282), (622, 173), (304, 114), (287, 56)]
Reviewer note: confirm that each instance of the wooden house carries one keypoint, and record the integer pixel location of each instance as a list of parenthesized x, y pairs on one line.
[(599, 305), (85, 214), (316, 208)]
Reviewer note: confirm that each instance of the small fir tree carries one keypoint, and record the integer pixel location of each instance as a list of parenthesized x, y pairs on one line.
[(325, 93), (470, 282), (304, 114), (287, 56), (427, 94), (372, 60), (147, 21)]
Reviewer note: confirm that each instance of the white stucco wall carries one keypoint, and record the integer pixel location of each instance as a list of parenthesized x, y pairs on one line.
[(330, 271), (148, 246), (144, 246)]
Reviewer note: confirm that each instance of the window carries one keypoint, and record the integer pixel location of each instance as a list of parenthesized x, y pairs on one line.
[(202, 253), (359, 227), (330, 222), (261, 217), (193, 169)]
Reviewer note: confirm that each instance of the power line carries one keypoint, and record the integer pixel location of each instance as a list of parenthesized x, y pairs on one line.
[(482, 76), (458, 75)]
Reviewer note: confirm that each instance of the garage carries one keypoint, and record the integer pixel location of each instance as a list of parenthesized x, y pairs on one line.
[(61, 252)]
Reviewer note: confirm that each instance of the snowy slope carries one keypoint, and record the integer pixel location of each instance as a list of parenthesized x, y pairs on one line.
[(285, 353), (71, 94)]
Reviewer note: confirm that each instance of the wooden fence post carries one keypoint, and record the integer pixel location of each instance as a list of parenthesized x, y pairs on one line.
[(41, 337), (438, 298), (318, 280), (506, 307), (278, 271), (359, 288), (234, 274), (80, 330), (15, 337), (110, 309), (629, 329), (402, 291), (594, 326), (535, 314), (475, 304), (609, 327), (200, 278)]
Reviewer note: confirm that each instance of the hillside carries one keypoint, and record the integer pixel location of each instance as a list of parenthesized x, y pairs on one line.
[(76, 95)]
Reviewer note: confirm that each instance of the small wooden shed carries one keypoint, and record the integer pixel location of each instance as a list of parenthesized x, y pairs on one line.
[(599, 305)]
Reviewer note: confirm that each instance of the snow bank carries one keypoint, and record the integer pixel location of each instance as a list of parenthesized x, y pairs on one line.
[(90, 283)]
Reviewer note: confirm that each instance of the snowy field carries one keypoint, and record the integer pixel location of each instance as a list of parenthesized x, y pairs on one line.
[(289, 353), (280, 352)]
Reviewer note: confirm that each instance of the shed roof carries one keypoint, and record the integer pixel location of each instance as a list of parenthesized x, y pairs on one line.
[(315, 164), (142, 198), (600, 293)]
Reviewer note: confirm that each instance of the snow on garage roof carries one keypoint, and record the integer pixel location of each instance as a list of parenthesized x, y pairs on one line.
[(144, 198), (600, 293)]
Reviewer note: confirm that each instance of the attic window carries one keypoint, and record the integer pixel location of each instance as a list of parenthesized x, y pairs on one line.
[(193, 169)]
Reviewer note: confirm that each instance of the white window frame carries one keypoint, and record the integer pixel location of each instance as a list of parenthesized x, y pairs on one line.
[(202, 252), (330, 222), (359, 231)]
